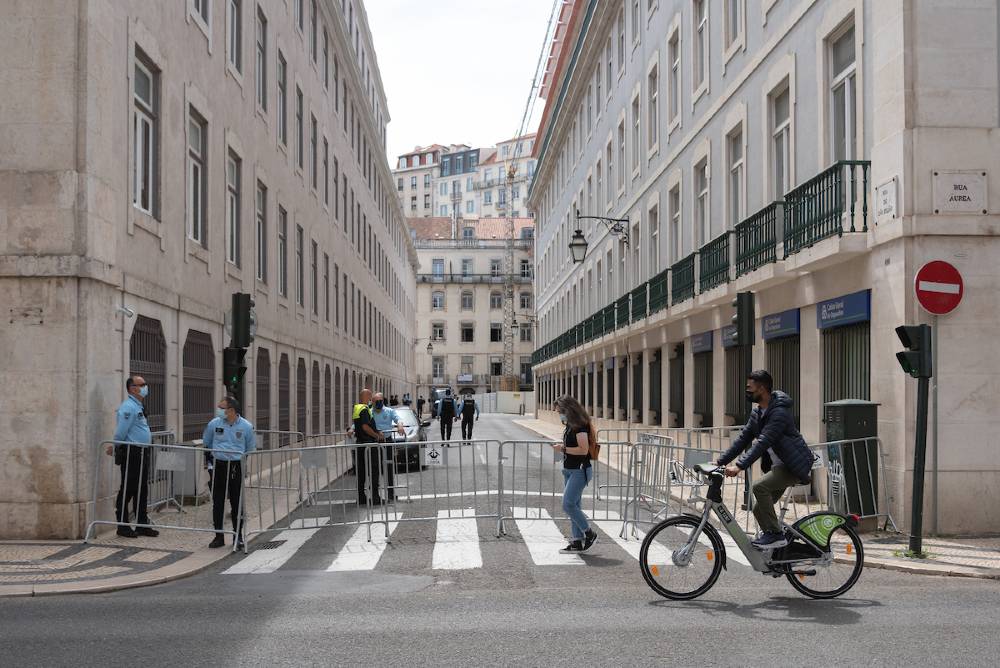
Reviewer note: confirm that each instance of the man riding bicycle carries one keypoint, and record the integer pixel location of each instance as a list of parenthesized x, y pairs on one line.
[(771, 436)]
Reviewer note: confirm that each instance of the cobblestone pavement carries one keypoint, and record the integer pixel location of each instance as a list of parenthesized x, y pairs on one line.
[(31, 563)]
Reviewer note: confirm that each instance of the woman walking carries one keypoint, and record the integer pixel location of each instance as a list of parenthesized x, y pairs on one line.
[(577, 470)]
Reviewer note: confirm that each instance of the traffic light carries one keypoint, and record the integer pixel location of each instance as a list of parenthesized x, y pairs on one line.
[(233, 370), (244, 320), (916, 360), (743, 320)]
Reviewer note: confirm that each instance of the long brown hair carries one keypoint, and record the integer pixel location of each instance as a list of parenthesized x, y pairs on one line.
[(577, 417)]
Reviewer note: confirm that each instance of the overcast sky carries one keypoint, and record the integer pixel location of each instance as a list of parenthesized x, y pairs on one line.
[(456, 71)]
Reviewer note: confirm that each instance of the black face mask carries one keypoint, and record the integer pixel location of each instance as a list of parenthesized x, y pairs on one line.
[(379, 405), (751, 398)]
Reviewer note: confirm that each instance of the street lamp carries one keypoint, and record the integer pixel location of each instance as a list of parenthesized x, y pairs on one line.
[(616, 227), (430, 348)]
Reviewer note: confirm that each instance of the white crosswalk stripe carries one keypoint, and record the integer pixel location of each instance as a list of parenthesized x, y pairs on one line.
[(456, 546), (360, 554), (544, 538)]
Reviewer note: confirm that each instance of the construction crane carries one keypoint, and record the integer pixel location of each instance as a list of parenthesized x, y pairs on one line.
[(509, 382)]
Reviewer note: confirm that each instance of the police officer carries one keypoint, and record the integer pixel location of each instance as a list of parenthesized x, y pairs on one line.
[(420, 406), (468, 409), (134, 460), (386, 421), (447, 414), (230, 438), (366, 432)]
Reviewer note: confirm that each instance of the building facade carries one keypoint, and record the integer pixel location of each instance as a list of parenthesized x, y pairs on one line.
[(415, 175), (494, 190), (816, 153), (162, 157), (460, 310)]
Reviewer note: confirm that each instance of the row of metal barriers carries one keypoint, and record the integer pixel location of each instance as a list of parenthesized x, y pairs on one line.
[(643, 475)]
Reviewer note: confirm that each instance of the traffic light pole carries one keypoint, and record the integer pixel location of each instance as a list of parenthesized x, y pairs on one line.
[(919, 457)]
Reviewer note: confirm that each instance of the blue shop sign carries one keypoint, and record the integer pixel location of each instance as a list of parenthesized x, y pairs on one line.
[(847, 310), (728, 336), (701, 343), (777, 325), (609, 363)]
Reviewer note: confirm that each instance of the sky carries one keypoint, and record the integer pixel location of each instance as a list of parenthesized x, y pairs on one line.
[(457, 71)]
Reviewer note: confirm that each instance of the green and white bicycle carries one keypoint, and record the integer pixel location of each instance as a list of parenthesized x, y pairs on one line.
[(682, 556)]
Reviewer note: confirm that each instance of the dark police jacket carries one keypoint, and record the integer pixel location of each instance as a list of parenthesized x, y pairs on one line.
[(772, 428)]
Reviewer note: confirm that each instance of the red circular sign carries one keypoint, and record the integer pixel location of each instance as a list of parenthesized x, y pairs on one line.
[(939, 287)]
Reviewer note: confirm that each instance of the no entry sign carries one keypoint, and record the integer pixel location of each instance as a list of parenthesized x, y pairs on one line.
[(939, 287)]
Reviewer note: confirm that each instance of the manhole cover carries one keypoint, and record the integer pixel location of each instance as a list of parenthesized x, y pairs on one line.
[(270, 545)]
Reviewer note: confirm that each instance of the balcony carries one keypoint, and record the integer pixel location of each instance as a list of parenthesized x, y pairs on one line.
[(622, 312), (519, 244), (683, 273), (815, 210), (658, 296), (757, 240), (713, 269), (639, 306), (458, 277)]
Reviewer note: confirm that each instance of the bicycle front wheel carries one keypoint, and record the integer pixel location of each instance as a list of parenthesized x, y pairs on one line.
[(671, 567), (836, 578)]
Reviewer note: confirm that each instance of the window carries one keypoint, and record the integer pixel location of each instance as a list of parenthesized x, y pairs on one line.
[(282, 252), (636, 17), (413, 183), (496, 366), (437, 301), (313, 171), (282, 99), (314, 277), (600, 183), (468, 232), (674, 55), (675, 223), (525, 300), (299, 15), (312, 29), (488, 197), (145, 131), (467, 363), (445, 170), (413, 202), (467, 300), (700, 44), (399, 184), (466, 266), (234, 40), (326, 59), (635, 134), (734, 21), (780, 141), (201, 8), (525, 269), (300, 278), (734, 144), (427, 180), (468, 184), (427, 202), (197, 186), (590, 108), (701, 203), (261, 60), (496, 332), (515, 193), (610, 64), (608, 191), (437, 266), (652, 107), (437, 367), (621, 40), (326, 286), (525, 328), (470, 206), (653, 219), (597, 88), (842, 96), (437, 331), (261, 202), (326, 172), (496, 300), (496, 268), (621, 155), (468, 332), (233, 166), (444, 189), (299, 130)]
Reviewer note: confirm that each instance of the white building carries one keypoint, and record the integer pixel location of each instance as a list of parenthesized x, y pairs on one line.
[(162, 156), (460, 292), (803, 150)]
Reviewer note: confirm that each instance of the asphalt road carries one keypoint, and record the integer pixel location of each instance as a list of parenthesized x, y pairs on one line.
[(508, 611)]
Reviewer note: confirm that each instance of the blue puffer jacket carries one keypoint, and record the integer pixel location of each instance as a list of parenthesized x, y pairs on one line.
[(772, 428)]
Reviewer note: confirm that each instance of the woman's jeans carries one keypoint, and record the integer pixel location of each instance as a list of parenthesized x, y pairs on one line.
[(576, 480)]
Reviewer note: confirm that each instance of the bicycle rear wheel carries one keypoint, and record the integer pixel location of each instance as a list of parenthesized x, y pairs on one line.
[(833, 580), (669, 570)]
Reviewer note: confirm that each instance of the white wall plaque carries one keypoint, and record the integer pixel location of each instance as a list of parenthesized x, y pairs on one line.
[(885, 201), (960, 191)]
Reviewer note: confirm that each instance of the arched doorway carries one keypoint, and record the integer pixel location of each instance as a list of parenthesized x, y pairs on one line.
[(263, 390), (148, 358), (199, 384)]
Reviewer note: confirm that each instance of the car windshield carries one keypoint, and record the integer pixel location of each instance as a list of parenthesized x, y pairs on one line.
[(407, 417)]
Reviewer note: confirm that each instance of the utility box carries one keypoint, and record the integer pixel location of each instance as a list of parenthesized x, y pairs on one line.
[(854, 464)]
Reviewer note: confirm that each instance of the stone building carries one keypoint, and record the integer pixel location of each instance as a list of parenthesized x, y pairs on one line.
[(808, 152), (460, 302), (156, 158)]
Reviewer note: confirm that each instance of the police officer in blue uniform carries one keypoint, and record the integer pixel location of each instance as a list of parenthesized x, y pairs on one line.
[(230, 438), (134, 460)]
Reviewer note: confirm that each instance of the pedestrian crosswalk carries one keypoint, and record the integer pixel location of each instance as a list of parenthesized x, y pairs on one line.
[(461, 542)]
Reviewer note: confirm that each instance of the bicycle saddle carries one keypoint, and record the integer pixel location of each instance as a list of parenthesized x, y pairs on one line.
[(707, 468)]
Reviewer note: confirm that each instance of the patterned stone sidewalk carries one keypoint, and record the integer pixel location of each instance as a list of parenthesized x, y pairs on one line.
[(965, 557)]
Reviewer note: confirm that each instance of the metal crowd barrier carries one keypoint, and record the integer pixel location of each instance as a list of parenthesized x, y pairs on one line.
[(161, 476), (706, 438), (272, 439), (190, 483)]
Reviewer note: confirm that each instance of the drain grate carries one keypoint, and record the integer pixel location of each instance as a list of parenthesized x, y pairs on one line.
[(270, 545)]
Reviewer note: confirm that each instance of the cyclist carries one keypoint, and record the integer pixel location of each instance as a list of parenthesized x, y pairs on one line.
[(771, 436)]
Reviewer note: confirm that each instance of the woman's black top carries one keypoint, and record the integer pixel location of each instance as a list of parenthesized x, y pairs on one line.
[(569, 440)]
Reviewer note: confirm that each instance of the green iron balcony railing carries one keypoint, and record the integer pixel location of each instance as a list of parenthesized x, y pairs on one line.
[(683, 273), (815, 210), (658, 295), (609, 318), (639, 306), (757, 239), (714, 266), (622, 311)]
